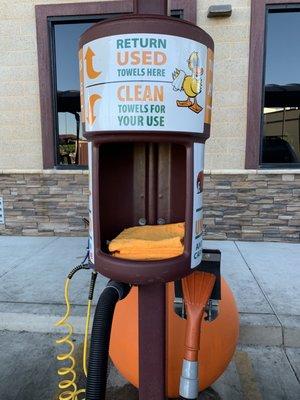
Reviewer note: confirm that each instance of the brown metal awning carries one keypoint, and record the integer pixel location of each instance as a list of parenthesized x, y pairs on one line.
[(282, 95), (68, 101)]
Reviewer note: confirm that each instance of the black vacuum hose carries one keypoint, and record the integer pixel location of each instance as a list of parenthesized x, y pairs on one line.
[(100, 338)]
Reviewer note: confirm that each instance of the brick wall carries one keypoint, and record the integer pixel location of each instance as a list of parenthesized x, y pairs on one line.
[(244, 206)]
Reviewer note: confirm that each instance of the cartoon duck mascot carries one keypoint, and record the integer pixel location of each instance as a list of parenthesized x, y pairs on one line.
[(190, 84)]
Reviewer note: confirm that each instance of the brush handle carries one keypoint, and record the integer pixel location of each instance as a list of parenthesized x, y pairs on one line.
[(192, 335)]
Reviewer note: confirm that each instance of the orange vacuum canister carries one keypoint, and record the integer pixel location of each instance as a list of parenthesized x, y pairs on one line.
[(218, 340)]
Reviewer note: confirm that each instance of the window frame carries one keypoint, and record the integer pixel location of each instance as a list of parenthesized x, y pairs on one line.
[(45, 59), (256, 82)]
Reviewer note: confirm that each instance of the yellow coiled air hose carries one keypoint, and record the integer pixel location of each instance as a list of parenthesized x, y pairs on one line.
[(68, 385)]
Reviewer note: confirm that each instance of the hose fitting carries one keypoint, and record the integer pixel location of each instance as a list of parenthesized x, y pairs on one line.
[(122, 288), (189, 385), (76, 269)]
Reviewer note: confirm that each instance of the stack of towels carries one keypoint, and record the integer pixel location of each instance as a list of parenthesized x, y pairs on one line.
[(150, 242)]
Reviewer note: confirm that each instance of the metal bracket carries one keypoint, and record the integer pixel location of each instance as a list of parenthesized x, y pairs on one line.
[(212, 310)]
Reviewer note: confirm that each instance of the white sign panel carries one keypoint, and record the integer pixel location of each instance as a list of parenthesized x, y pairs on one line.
[(145, 82), (91, 221), (196, 251)]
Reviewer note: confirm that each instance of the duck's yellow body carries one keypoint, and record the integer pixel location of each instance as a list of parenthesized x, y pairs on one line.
[(191, 86)]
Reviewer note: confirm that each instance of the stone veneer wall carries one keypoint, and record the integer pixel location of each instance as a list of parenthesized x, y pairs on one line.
[(44, 203), (256, 205), (253, 206)]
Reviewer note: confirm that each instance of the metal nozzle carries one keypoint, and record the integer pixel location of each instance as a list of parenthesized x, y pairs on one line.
[(189, 385)]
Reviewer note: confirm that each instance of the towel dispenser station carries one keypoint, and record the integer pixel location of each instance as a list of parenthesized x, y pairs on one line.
[(146, 96), (147, 92)]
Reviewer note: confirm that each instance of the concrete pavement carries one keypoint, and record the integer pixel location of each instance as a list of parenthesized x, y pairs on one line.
[(263, 276), (28, 372)]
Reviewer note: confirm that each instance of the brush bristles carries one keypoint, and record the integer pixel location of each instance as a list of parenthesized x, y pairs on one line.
[(197, 287)]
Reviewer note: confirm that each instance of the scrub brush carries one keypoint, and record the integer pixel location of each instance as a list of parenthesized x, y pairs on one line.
[(197, 289)]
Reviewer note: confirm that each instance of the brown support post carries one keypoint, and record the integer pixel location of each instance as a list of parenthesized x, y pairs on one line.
[(152, 297), (152, 307), (150, 7), (152, 341)]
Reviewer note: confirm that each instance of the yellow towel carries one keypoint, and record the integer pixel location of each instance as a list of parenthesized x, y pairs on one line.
[(150, 242)]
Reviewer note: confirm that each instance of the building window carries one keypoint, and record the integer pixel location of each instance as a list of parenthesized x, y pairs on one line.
[(177, 14), (70, 145), (273, 92), (281, 95)]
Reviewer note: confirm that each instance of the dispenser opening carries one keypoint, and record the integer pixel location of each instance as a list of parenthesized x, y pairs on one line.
[(143, 184)]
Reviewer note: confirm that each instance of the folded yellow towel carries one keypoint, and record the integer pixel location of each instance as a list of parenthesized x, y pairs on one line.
[(150, 242)]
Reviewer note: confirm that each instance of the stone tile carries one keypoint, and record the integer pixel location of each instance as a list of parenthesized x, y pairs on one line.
[(33, 353), (291, 330), (17, 250), (248, 296), (276, 266), (265, 373), (40, 278), (226, 390), (260, 329), (294, 357)]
